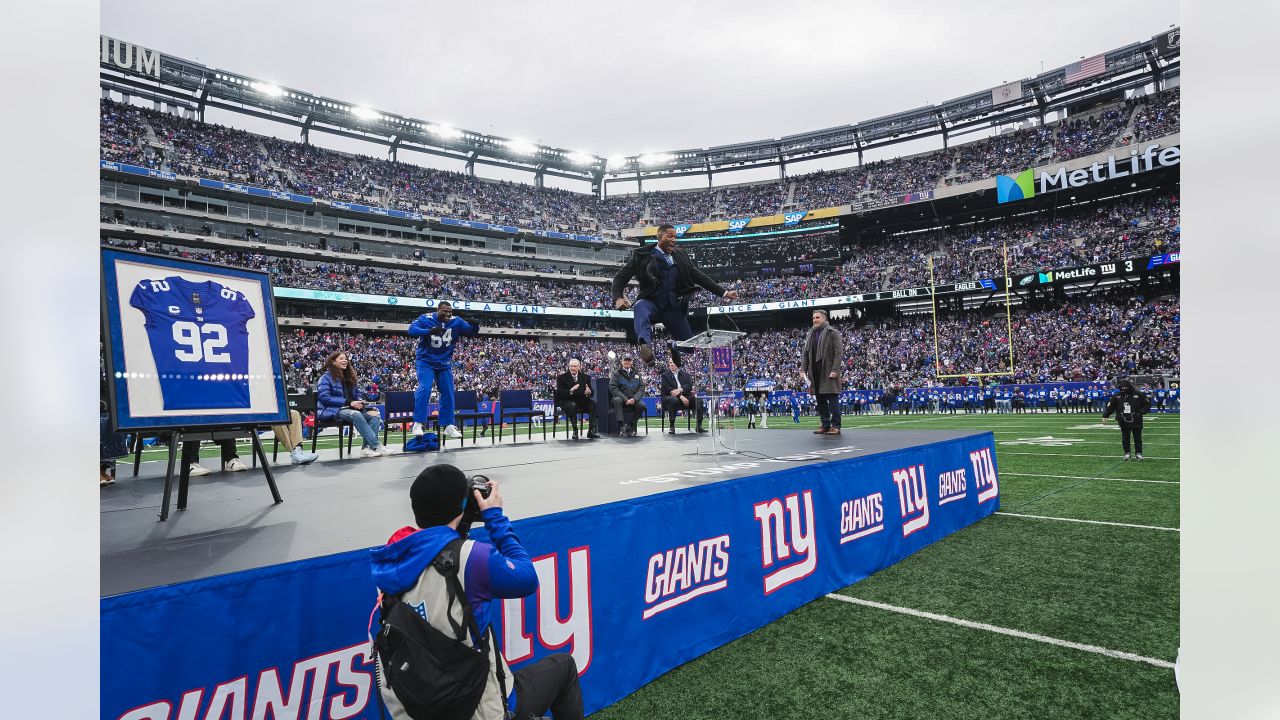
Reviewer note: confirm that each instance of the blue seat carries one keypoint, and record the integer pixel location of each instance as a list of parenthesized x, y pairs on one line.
[(398, 408), (466, 406), (518, 405)]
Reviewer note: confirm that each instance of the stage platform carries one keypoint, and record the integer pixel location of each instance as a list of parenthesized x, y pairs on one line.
[(335, 506)]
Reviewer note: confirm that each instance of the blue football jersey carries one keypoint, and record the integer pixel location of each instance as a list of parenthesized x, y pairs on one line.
[(199, 336), (436, 341)]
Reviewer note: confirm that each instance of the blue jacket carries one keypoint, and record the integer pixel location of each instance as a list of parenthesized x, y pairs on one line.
[(436, 340), (331, 396)]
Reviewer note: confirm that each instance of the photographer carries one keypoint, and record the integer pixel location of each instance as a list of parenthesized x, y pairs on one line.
[(444, 505), (1129, 406)]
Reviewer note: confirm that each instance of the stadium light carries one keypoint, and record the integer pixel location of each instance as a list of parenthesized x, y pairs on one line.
[(365, 113), (656, 158), (521, 147), (617, 161), (581, 158), (267, 88), (444, 131)]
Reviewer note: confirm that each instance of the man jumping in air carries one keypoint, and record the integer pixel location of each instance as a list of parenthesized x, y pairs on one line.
[(668, 280), (436, 336)]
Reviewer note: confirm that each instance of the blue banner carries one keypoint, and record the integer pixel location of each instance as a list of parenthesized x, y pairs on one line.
[(1166, 259), (475, 225), (722, 360), (682, 228), (256, 191), (384, 212), (793, 218), (759, 384), (631, 589), (568, 236), (135, 170)]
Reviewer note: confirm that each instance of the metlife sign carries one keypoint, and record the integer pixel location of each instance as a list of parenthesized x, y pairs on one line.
[(1010, 188)]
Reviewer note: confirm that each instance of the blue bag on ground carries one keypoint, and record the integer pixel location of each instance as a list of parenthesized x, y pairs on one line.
[(422, 443)]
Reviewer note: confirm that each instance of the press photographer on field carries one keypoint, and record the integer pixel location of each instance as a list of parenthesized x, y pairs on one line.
[(1128, 406), (434, 591)]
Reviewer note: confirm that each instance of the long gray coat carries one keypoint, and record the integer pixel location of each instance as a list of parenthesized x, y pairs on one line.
[(830, 354)]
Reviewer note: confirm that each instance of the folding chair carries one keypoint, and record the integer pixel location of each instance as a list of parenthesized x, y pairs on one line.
[(307, 404), (556, 412), (518, 405), (466, 406), (397, 407)]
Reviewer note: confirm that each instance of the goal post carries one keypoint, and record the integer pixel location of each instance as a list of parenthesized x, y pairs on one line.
[(1008, 316)]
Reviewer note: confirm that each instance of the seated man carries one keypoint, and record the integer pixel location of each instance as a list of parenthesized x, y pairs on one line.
[(291, 437), (678, 394), (627, 390), (230, 459), (573, 396)]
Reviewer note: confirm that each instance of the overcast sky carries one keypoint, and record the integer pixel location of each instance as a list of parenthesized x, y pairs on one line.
[(613, 78)]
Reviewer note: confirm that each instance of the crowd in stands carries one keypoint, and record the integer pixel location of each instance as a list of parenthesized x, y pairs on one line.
[(195, 149), (803, 267), (1097, 338)]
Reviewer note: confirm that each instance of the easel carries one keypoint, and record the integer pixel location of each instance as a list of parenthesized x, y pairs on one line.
[(212, 434)]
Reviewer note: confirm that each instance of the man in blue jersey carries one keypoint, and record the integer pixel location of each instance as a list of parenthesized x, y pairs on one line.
[(437, 336)]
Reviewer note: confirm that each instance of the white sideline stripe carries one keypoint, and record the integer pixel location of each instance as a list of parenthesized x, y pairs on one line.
[(1004, 631), (1113, 457), (1090, 522), (1082, 477)]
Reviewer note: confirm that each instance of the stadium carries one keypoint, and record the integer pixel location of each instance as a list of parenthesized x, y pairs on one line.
[(991, 294)]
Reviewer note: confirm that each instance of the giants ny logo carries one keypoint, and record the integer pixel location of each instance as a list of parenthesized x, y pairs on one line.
[(330, 686), (984, 473), (681, 574), (861, 517), (952, 486), (777, 545), (553, 631), (913, 498)]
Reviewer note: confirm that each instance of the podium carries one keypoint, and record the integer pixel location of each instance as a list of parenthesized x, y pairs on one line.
[(707, 341)]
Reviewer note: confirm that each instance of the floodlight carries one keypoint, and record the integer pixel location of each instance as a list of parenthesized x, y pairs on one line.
[(521, 147), (267, 88), (580, 158), (444, 131), (365, 113), (617, 161), (656, 158)]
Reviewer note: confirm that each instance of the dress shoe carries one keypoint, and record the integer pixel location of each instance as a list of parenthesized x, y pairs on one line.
[(834, 431), (820, 431)]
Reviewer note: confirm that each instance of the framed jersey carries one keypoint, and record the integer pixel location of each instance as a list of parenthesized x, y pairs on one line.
[(189, 344)]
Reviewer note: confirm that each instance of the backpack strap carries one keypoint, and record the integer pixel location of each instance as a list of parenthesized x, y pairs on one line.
[(446, 563)]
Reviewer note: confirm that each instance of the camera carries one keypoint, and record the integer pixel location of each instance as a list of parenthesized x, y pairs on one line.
[(475, 482)]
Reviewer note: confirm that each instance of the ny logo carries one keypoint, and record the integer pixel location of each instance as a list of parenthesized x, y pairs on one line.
[(553, 631), (984, 471), (783, 534), (913, 498)]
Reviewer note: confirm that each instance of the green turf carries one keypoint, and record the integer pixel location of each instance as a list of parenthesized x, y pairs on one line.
[(1112, 587)]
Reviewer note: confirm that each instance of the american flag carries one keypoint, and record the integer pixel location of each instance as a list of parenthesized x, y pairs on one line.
[(1085, 68)]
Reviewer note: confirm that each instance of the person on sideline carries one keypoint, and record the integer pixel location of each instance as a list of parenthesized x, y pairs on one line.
[(823, 360)]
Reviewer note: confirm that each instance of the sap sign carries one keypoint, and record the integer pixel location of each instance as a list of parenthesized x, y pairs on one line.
[(793, 218), (738, 223), (1020, 187)]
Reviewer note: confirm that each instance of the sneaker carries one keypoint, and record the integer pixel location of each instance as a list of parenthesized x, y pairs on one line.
[(368, 452), (418, 429), (646, 354), (302, 457), (593, 435), (1126, 456), (383, 450), (234, 465), (196, 470), (452, 432), (104, 479), (1139, 457)]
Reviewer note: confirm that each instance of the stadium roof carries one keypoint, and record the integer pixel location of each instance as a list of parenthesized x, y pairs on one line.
[(150, 74)]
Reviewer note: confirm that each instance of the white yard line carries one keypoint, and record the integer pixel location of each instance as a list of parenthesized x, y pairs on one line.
[(1000, 451), (1004, 631), (1082, 477), (1089, 522)]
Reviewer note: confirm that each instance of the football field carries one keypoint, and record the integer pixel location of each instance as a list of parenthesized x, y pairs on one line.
[(1062, 605)]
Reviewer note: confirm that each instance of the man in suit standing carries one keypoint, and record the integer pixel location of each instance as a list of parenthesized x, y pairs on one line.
[(823, 361), (668, 279), (678, 394), (627, 391), (573, 395)]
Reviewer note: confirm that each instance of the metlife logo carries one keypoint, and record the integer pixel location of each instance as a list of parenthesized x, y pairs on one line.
[(1021, 187)]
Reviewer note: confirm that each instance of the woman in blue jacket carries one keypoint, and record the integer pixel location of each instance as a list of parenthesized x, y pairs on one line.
[(338, 395)]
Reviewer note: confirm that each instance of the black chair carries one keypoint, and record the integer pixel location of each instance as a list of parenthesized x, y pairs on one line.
[(518, 405), (307, 404), (688, 414), (466, 406), (397, 407), (556, 412)]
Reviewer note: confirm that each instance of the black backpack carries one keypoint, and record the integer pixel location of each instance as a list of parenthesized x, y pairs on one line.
[(433, 675)]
